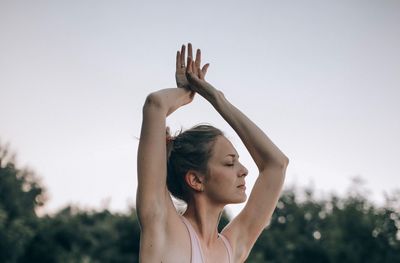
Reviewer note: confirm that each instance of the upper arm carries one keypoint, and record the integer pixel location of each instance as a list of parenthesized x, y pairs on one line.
[(152, 194), (247, 226)]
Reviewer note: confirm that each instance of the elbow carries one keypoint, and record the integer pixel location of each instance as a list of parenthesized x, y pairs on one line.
[(281, 163), (153, 100), (285, 162), (277, 165)]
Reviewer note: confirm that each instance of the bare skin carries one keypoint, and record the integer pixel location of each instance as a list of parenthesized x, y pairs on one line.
[(164, 237)]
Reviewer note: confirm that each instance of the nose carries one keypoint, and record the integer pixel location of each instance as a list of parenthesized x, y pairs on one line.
[(243, 171)]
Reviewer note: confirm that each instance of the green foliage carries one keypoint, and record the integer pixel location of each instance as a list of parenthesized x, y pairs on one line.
[(335, 230), (223, 221), (20, 195), (80, 236), (350, 229)]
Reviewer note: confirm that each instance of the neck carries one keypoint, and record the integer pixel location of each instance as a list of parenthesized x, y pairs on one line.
[(204, 218)]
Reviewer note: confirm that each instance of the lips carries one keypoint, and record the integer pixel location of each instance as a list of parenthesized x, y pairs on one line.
[(242, 186)]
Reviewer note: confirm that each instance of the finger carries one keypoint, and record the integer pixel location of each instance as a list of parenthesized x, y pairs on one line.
[(194, 67), (182, 56), (189, 65), (190, 52), (193, 70), (189, 72), (198, 58), (205, 68), (178, 59)]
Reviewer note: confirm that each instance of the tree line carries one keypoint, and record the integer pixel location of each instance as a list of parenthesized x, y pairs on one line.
[(303, 228)]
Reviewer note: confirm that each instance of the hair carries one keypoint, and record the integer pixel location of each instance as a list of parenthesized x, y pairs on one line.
[(189, 150)]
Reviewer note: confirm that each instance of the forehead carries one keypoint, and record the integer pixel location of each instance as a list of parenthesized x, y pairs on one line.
[(222, 148)]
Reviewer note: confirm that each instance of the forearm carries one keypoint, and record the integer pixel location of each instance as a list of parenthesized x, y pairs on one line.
[(261, 148)]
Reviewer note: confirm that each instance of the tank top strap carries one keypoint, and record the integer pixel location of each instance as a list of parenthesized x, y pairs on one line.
[(227, 246), (197, 253)]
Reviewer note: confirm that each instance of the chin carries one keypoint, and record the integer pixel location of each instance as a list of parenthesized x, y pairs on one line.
[(240, 200)]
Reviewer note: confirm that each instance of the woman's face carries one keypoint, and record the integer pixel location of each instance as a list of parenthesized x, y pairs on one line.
[(225, 180)]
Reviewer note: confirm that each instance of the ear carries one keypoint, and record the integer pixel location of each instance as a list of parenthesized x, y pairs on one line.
[(194, 180)]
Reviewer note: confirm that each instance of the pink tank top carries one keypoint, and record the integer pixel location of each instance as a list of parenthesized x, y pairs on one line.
[(197, 253)]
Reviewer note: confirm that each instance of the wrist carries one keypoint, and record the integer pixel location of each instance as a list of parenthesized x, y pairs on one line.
[(218, 99), (167, 101), (208, 92)]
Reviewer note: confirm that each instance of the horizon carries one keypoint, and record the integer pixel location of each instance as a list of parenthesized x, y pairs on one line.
[(321, 79)]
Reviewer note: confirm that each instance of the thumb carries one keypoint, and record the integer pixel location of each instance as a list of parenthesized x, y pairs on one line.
[(205, 68)]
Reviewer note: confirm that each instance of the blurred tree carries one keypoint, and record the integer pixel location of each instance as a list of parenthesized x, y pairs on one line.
[(350, 229), (20, 194), (306, 229), (73, 235)]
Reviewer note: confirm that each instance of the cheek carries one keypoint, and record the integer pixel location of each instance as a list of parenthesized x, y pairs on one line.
[(222, 179)]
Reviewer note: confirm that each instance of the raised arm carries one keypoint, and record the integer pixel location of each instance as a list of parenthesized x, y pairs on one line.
[(152, 163), (152, 194), (244, 230)]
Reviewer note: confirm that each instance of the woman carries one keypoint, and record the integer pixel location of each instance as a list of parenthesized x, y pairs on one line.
[(203, 169)]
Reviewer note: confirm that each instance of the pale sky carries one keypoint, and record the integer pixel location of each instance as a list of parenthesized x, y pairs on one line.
[(321, 78)]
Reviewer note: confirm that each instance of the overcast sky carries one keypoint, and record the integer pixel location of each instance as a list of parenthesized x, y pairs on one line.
[(321, 78)]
